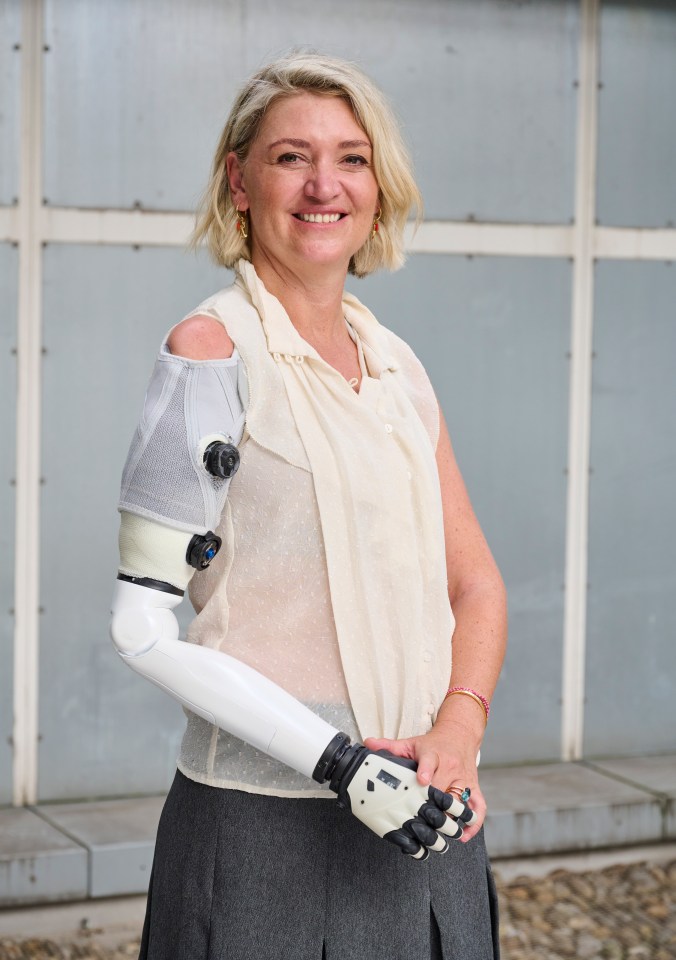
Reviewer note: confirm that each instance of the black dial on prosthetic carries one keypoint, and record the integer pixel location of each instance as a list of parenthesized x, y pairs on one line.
[(202, 550), (221, 459)]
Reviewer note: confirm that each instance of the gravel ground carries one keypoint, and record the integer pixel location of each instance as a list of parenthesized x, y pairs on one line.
[(624, 912), (620, 913)]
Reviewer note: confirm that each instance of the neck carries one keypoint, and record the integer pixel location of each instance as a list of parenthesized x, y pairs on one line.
[(313, 299)]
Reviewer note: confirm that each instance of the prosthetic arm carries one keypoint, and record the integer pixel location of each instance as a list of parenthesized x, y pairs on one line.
[(174, 487)]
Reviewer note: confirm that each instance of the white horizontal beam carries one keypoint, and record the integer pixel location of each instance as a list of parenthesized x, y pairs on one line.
[(612, 243), (67, 225), (491, 239), (70, 225), (154, 228)]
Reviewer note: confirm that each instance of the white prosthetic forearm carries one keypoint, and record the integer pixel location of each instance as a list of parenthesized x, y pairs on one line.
[(380, 790), (174, 487), (212, 684)]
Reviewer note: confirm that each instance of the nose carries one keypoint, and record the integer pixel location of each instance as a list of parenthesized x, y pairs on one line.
[(322, 182)]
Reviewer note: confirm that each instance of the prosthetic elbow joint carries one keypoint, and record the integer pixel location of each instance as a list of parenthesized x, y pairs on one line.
[(142, 617)]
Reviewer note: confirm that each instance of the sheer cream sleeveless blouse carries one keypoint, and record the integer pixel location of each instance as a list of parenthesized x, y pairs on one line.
[(331, 579)]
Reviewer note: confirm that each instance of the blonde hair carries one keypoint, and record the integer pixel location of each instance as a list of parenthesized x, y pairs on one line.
[(330, 76)]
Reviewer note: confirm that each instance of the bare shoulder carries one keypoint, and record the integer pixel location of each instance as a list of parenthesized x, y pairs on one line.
[(200, 338)]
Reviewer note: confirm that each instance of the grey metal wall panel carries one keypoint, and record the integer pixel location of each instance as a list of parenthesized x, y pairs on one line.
[(136, 93), (631, 656), (10, 98), (493, 335), (8, 301), (637, 121), (485, 89), (104, 730)]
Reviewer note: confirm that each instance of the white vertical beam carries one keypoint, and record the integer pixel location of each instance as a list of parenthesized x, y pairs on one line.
[(26, 601), (575, 612)]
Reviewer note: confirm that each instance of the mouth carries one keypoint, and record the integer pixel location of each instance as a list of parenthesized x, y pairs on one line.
[(319, 217)]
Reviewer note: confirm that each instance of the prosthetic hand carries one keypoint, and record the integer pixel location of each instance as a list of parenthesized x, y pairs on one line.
[(383, 792), (170, 499)]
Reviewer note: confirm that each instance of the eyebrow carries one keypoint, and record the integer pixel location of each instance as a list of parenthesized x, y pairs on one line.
[(304, 145)]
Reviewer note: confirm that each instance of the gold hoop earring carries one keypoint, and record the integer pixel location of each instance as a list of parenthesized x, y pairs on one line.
[(376, 219), (242, 225)]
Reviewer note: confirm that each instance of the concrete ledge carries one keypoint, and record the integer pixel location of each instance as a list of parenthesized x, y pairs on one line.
[(560, 807), (119, 836), (74, 851), (38, 863), (657, 774)]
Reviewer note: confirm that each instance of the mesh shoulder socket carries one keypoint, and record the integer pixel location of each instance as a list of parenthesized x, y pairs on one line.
[(164, 477)]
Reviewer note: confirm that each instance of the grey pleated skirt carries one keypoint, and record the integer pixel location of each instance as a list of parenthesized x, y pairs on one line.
[(241, 876)]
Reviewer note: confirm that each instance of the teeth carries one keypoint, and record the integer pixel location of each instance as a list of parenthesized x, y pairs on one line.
[(320, 217)]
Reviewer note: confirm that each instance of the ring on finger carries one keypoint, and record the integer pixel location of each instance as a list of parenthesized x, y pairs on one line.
[(462, 795)]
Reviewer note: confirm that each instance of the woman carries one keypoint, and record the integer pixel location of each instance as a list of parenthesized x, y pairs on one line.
[(350, 552)]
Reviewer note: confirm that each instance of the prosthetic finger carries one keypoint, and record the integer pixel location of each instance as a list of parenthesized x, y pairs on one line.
[(427, 835), (432, 814), (451, 829), (454, 807), (440, 820), (407, 844), (468, 817), (423, 832)]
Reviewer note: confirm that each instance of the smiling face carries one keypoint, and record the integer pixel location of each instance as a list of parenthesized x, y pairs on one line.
[(308, 184)]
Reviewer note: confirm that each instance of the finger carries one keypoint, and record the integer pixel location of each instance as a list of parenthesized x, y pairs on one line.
[(427, 767), (378, 743), (468, 816), (452, 805), (398, 748), (475, 826), (436, 818), (478, 808), (426, 835), (472, 829), (440, 845), (440, 798), (469, 833), (451, 829), (407, 844), (432, 814)]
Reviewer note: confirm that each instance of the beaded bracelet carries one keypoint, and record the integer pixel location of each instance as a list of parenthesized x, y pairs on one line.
[(468, 692)]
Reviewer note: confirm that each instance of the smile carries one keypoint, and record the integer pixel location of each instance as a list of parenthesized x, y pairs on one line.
[(319, 217)]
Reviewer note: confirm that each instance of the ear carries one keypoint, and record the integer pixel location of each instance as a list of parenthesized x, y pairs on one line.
[(236, 181)]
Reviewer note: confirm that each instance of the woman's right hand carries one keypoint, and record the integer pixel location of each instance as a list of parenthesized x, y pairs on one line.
[(383, 792), (447, 755)]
